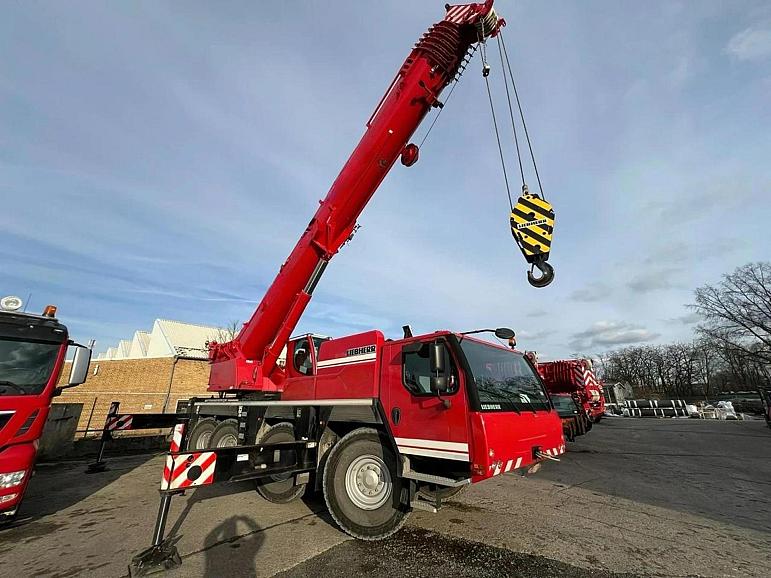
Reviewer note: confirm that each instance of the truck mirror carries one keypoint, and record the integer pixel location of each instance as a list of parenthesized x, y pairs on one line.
[(80, 365), (505, 333), (439, 384), (437, 359), (436, 354)]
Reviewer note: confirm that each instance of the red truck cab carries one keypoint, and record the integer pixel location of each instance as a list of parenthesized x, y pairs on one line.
[(490, 414), (32, 353)]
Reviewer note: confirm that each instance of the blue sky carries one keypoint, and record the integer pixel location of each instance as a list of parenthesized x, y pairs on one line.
[(160, 159)]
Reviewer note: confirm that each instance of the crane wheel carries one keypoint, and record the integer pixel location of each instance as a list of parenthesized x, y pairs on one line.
[(361, 488), (225, 435), (200, 436), (432, 491), (281, 488)]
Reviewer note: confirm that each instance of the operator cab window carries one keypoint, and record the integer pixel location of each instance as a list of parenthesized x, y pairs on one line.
[(303, 363), (417, 372)]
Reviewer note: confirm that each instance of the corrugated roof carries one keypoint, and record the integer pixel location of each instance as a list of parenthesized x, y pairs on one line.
[(168, 338), (139, 344), (189, 338), (124, 347)]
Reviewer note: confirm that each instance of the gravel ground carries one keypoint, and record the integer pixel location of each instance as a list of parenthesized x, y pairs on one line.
[(416, 553)]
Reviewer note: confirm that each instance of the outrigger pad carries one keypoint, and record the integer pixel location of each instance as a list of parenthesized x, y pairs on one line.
[(97, 467), (156, 559)]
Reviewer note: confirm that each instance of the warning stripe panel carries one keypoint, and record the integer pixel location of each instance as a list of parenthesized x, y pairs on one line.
[(458, 14), (189, 470), (119, 422)]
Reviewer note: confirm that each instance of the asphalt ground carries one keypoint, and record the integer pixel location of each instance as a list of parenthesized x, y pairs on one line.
[(633, 497)]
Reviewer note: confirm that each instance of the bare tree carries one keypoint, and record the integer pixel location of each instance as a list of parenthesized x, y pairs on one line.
[(228, 333), (737, 311)]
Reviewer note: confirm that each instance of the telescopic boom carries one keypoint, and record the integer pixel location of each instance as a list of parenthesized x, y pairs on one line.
[(249, 362)]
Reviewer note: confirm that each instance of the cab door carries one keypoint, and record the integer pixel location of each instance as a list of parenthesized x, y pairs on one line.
[(300, 368), (424, 423)]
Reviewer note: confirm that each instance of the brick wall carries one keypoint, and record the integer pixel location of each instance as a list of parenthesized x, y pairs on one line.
[(140, 385)]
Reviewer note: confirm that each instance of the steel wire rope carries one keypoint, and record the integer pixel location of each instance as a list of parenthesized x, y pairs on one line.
[(521, 114), (511, 113), (495, 121)]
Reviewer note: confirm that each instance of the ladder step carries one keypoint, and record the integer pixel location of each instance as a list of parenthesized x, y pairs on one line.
[(422, 505), (439, 480)]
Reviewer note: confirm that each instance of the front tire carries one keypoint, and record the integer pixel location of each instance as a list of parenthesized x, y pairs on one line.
[(281, 488), (361, 489)]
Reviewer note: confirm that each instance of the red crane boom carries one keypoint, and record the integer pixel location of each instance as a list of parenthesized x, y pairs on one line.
[(249, 362)]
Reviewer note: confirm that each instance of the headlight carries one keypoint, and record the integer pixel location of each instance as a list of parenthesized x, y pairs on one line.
[(12, 479)]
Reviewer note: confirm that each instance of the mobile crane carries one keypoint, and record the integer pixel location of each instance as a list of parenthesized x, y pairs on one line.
[(575, 377), (381, 426), (32, 352)]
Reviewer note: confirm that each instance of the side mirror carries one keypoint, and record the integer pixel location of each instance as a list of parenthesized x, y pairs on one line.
[(438, 365), (80, 365), (79, 370), (505, 333)]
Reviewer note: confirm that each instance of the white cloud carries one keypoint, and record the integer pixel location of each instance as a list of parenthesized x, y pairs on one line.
[(753, 43), (606, 334)]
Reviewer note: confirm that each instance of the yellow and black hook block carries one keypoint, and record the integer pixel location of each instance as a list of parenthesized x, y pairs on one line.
[(532, 225)]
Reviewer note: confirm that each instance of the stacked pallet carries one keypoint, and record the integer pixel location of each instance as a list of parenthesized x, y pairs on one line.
[(655, 408)]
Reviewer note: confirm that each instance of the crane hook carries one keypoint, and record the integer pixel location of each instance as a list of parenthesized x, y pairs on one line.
[(547, 274)]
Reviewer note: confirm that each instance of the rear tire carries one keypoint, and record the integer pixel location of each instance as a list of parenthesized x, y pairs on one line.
[(279, 489), (201, 435), (225, 435), (361, 489)]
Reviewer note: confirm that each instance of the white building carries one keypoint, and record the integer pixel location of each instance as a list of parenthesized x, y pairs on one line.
[(167, 339)]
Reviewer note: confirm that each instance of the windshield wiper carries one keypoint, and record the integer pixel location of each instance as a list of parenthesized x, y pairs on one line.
[(501, 395), (523, 397), (529, 404), (12, 384)]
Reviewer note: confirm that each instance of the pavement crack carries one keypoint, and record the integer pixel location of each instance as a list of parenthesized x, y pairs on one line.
[(579, 484)]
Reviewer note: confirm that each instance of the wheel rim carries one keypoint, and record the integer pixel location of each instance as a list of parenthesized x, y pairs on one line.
[(227, 441), (202, 442), (368, 482)]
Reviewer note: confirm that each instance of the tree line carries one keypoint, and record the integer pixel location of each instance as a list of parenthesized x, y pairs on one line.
[(730, 351)]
